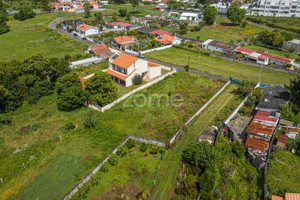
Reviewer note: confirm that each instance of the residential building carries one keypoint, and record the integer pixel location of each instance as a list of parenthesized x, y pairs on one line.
[(123, 42), (209, 134), (288, 45), (288, 196), (274, 97), (118, 25), (160, 33), (189, 16), (276, 60), (71, 24), (222, 6), (168, 40), (222, 47), (123, 68), (258, 58), (244, 51), (276, 8), (99, 50), (85, 30), (94, 5)]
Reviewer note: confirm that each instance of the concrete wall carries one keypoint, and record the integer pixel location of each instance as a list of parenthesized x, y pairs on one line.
[(235, 111), (154, 72), (287, 46), (86, 62)]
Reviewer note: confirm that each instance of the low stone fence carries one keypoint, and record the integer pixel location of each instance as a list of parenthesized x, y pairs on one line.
[(199, 111), (99, 165), (108, 106)]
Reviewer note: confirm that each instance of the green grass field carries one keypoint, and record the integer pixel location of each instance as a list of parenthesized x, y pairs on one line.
[(284, 168), (219, 66), (169, 171), (39, 126), (223, 30), (30, 37)]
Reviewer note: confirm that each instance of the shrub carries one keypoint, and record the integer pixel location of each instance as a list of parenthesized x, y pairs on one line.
[(5, 120), (188, 187), (69, 126), (154, 149), (130, 143), (113, 160), (145, 195), (104, 167), (143, 147), (137, 79), (122, 151)]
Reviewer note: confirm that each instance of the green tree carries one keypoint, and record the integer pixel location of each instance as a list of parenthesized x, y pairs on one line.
[(209, 15), (188, 187), (2, 6), (251, 101), (137, 79), (123, 12), (278, 40), (183, 29), (3, 25), (187, 68), (114, 16), (100, 89), (238, 149), (235, 13), (209, 179), (128, 16), (87, 10), (98, 18), (69, 92), (286, 112), (89, 119), (294, 88), (45, 5), (25, 12), (258, 93), (40, 89), (4, 93)]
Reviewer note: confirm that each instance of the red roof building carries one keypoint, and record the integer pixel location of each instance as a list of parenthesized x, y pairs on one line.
[(165, 39), (160, 32), (124, 40), (123, 24)]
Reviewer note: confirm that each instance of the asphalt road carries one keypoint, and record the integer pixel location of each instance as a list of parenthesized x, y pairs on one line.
[(53, 24)]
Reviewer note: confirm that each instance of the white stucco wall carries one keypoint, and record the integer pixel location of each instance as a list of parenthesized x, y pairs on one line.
[(154, 72), (91, 31)]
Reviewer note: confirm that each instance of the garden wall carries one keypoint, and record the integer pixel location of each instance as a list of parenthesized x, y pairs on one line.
[(97, 168), (149, 50)]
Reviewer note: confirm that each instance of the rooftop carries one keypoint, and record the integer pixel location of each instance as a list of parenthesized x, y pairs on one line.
[(119, 75), (84, 27), (276, 57), (295, 41), (274, 96), (257, 144), (265, 117), (101, 49), (282, 138), (160, 32), (292, 196), (145, 30), (244, 50), (165, 39), (150, 64), (123, 24), (260, 129), (122, 40), (208, 134), (223, 45), (123, 60)]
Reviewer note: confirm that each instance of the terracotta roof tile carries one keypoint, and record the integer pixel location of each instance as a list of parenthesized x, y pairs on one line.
[(123, 24), (241, 50), (277, 198), (292, 196), (123, 60), (121, 76), (166, 39), (150, 64), (101, 49), (160, 32), (265, 116), (84, 27), (124, 40), (276, 57)]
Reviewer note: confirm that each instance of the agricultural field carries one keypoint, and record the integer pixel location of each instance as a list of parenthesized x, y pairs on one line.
[(30, 37), (33, 136), (129, 174), (219, 66), (283, 173), (286, 23), (223, 30), (224, 104)]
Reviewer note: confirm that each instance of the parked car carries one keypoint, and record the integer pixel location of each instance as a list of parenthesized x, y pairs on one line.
[(84, 38), (140, 55), (75, 34)]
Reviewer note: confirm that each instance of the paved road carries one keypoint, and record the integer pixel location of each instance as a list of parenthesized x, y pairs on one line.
[(53, 24)]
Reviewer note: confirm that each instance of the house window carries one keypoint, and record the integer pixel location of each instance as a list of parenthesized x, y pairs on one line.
[(122, 82), (119, 69)]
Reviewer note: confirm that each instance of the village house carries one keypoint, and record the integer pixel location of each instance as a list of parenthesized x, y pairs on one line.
[(123, 42), (71, 24), (123, 68), (94, 5), (167, 40), (117, 25), (274, 97), (161, 33), (189, 16), (146, 30), (85, 30), (99, 50), (209, 134), (222, 47)]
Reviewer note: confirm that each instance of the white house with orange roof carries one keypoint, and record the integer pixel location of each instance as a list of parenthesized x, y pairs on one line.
[(168, 39), (85, 30), (123, 68)]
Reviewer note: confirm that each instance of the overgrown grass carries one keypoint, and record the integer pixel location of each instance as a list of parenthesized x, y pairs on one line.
[(283, 173), (40, 126), (220, 66), (85, 71), (30, 37), (225, 31)]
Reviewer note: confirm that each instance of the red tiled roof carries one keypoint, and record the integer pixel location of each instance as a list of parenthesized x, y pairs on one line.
[(116, 74), (276, 57), (84, 27), (123, 60), (258, 128), (292, 196), (110, 24), (282, 138), (255, 143), (160, 32), (166, 39), (265, 116), (263, 57), (93, 3), (123, 24), (241, 49), (223, 45), (277, 198), (150, 64), (100, 49), (124, 40)]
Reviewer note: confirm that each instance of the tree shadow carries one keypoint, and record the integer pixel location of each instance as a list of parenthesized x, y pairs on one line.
[(228, 24)]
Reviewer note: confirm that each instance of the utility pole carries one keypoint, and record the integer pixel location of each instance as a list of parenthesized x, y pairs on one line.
[(199, 62)]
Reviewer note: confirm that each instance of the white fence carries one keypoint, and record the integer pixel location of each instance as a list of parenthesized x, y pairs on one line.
[(99, 165), (108, 106), (235, 111), (149, 50), (200, 110), (86, 62)]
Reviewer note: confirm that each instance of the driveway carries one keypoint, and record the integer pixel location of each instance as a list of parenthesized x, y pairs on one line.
[(53, 24)]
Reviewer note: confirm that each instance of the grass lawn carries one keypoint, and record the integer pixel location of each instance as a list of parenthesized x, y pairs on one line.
[(38, 127), (132, 170), (30, 37), (169, 171), (219, 66), (284, 168), (85, 71), (273, 51), (223, 30)]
